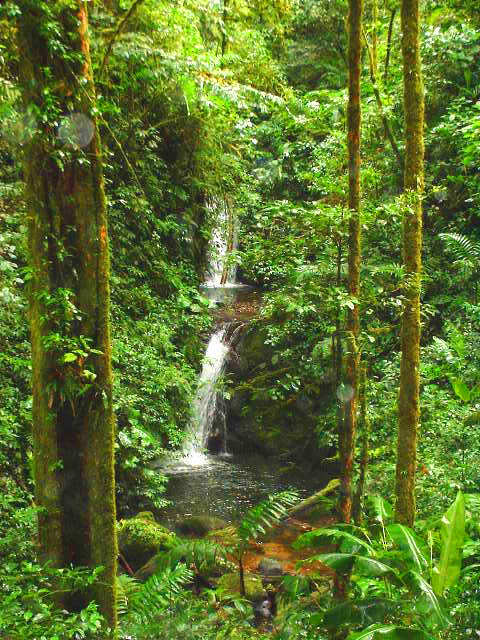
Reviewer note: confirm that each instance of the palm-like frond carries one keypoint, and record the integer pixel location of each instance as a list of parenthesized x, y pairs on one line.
[(266, 514), (462, 247), (158, 592)]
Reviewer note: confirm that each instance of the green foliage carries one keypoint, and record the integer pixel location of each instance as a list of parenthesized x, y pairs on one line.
[(447, 572), (391, 572)]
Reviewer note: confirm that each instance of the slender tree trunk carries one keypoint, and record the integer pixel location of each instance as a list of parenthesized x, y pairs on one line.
[(224, 28), (409, 401), (73, 427), (375, 36), (389, 44), (347, 443), (386, 125), (364, 428)]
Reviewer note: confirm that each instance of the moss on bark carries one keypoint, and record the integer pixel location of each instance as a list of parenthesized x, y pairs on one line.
[(409, 400), (347, 432), (73, 424)]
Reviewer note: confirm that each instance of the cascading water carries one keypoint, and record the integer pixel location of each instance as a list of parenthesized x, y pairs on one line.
[(222, 244), (207, 399)]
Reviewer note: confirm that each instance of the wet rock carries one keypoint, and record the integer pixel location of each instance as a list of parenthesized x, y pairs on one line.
[(270, 568), (277, 427), (140, 538), (199, 526)]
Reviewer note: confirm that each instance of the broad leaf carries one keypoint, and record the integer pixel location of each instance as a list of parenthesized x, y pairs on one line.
[(325, 536), (460, 388), (389, 632), (359, 612), (416, 582), (407, 540), (382, 509), (346, 562), (452, 531)]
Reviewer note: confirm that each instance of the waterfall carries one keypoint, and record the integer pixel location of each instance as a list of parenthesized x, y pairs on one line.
[(207, 398), (222, 243), (208, 403)]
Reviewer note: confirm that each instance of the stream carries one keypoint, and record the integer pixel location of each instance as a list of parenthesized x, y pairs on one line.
[(206, 479), (227, 487)]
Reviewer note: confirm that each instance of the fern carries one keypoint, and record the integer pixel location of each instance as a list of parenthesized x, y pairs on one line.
[(126, 588), (265, 515), (201, 555), (462, 248), (159, 591)]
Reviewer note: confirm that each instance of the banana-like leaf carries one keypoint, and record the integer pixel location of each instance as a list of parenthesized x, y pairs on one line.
[(325, 536), (371, 567), (428, 599), (341, 562), (382, 509), (389, 632), (346, 562), (452, 531), (408, 541), (362, 612)]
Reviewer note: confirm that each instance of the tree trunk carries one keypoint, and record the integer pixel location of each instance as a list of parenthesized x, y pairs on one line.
[(409, 401), (386, 125), (364, 428), (73, 426), (375, 36), (347, 444), (389, 44)]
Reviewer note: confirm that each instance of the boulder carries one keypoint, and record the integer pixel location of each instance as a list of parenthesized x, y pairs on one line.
[(270, 568), (199, 526), (140, 538), (253, 585), (277, 427)]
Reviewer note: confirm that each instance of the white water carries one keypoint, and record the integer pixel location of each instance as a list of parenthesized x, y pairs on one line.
[(206, 400), (224, 235)]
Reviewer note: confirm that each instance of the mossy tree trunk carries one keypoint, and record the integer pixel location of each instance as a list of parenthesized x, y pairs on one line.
[(347, 433), (393, 13), (73, 426), (364, 429), (375, 36), (409, 401)]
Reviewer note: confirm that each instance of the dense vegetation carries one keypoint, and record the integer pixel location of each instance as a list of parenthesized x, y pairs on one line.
[(247, 101)]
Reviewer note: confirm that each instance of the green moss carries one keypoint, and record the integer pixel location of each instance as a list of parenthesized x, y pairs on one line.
[(141, 537), (199, 526), (253, 585)]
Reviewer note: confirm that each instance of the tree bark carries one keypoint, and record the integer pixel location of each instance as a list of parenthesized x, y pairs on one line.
[(409, 400), (375, 36), (364, 428), (347, 441), (389, 44), (73, 425), (386, 125)]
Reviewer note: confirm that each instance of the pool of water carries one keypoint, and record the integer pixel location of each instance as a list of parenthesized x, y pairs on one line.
[(226, 487)]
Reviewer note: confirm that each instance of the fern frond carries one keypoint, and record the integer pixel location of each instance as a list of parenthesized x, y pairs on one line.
[(462, 247), (266, 514), (202, 555), (158, 592), (126, 588)]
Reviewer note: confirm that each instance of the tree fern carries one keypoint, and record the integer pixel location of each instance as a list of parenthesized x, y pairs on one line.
[(257, 520), (265, 515)]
